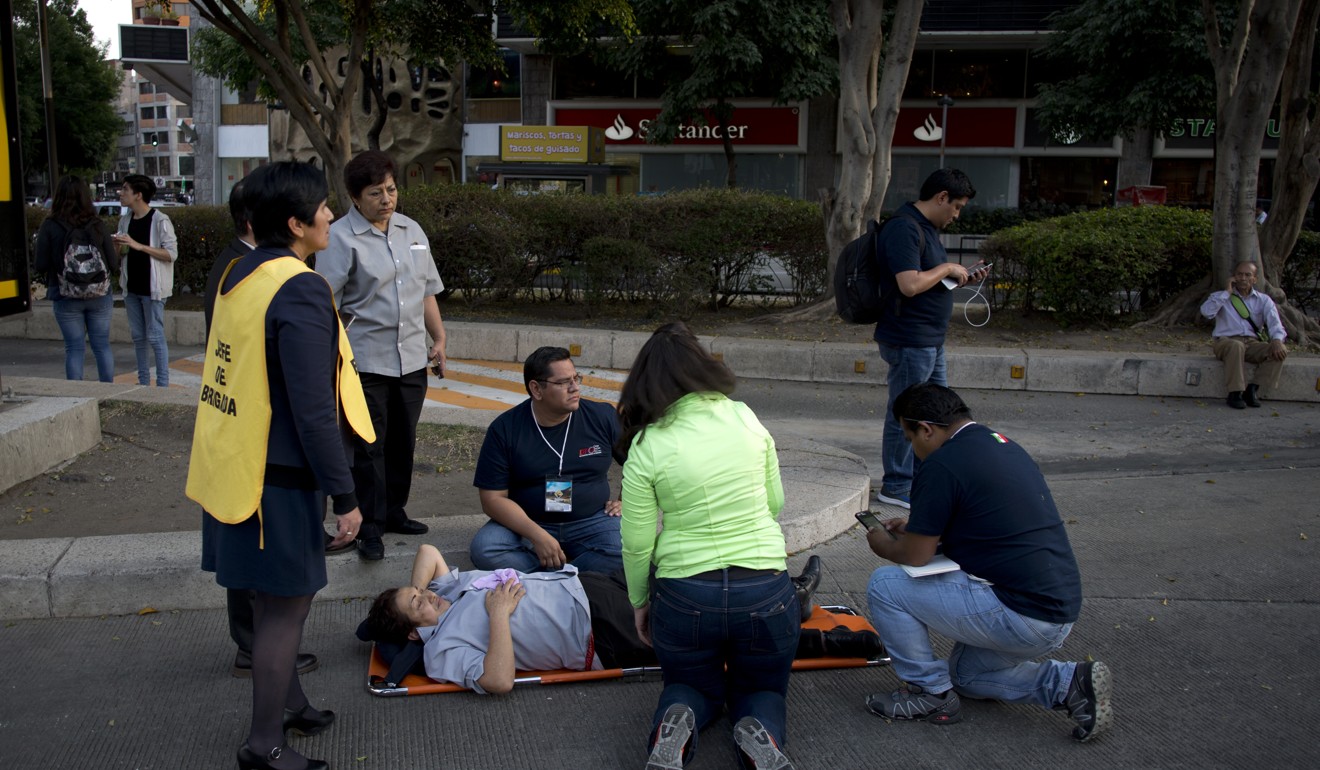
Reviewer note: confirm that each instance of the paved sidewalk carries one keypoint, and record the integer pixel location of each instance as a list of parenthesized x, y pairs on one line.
[(1199, 595), (1208, 625)]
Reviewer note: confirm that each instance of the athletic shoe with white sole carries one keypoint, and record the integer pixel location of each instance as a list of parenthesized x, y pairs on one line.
[(1088, 700), (911, 703), (671, 737), (756, 742), (902, 501)]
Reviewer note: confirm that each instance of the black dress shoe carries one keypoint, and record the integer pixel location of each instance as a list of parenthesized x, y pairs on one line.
[(1249, 396), (309, 721), (243, 664), (806, 584), (371, 548), (1235, 400), (407, 527), (251, 760)]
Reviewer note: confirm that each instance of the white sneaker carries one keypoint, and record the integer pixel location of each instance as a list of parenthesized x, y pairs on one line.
[(902, 501)]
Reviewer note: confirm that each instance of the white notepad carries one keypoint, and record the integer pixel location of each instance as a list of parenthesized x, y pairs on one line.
[(939, 563)]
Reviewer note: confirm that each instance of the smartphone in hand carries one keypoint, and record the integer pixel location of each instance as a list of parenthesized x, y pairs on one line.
[(871, 521)]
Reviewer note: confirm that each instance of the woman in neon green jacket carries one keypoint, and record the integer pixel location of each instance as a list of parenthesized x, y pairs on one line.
[(721, 612)]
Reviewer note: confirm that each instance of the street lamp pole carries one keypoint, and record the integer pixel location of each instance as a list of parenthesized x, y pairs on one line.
[(945, 103)]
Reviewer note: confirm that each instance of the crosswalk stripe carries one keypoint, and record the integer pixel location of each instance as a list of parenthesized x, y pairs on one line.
[(468, 384)]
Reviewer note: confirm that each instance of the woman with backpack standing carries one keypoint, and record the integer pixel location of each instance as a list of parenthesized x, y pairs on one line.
[(76, 253)]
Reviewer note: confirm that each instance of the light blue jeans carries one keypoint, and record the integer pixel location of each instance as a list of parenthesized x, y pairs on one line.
[(146, 322), (995, 651), (592, 544), (907, 367), (82, 321)]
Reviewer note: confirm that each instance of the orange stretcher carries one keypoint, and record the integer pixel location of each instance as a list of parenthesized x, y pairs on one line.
[(823, 618)]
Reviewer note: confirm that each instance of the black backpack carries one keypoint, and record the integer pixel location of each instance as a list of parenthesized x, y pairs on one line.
[(857, 287), (83, 273)]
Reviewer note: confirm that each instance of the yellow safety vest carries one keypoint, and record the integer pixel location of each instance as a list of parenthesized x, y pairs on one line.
[(227, 467)]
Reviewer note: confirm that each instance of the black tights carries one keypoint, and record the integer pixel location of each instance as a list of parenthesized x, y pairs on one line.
[(277, 634)]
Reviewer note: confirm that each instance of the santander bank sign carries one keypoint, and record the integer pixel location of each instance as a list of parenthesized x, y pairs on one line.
[(759, 126)]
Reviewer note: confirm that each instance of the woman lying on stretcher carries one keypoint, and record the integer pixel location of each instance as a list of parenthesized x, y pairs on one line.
[(479, 627)]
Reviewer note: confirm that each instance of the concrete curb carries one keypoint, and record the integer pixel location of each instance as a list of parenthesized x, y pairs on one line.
[(117, 575), (1060, 371)]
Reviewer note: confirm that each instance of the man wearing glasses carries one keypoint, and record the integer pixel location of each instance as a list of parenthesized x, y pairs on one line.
[(1009, 590), (542, 477), (1247, 329)]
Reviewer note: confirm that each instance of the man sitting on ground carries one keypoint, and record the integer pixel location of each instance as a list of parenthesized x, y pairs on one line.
[(542, 477), (1247, 328), (1015, 597), (479, 627)]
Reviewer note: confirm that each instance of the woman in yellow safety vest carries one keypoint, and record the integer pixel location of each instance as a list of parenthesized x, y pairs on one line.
[(280, 400)]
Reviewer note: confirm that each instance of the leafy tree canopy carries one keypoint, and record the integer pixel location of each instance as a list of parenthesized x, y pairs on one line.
[(1138, 63), (84, 85)]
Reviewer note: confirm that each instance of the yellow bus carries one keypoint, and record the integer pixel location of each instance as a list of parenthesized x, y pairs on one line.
[(15, 287)]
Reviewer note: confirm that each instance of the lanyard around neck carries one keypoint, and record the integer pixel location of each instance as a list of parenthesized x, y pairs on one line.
[(560, 453)]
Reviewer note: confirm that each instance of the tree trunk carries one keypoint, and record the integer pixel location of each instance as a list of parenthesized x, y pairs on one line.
[(325, 114), (723, 113), (373, 82), (1247, 74), (868, 111), (1297, 168)]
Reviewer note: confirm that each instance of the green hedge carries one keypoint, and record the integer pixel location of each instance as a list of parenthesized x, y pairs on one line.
[(1090, 265), (683, 250)]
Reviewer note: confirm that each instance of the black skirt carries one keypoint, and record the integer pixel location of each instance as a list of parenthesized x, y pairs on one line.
[(292, 563)]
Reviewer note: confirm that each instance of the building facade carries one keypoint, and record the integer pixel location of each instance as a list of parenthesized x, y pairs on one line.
[(970, 102)]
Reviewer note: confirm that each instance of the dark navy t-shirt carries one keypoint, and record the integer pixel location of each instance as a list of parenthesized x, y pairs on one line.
[(984, 497), (923, 320), (514, 457)]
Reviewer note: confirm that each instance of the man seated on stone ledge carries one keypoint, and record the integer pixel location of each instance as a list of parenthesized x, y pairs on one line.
[(1247, 329)]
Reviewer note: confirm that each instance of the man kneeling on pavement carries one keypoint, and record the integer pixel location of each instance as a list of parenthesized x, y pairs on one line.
[(1014, 598), (478, 627)]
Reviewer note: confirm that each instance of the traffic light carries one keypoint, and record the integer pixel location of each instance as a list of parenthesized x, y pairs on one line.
[(155, 139)]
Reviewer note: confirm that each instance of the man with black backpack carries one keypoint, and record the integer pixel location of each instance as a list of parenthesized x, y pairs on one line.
[(915, 308)]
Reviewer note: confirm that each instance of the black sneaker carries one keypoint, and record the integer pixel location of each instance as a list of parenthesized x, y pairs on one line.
[(671, 738), (1249, 396), (756, 742), (1235, 400), (910, 702), (1087, 701)]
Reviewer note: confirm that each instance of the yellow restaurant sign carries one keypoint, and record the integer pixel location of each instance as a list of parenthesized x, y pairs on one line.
[(552, 144)]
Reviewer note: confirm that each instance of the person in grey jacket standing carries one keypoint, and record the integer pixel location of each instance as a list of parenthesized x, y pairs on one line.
[(147, 276)]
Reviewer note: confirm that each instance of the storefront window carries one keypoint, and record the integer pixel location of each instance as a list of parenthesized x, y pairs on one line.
[(581, 78), (776, 173), (976, 74), (1072, 181), (1191, 182), (992, 178), (496, 82)]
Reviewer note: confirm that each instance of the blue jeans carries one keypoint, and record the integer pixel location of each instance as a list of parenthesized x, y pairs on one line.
[(726, 643), (146, 322), (591, 544), (81, 320), (907, 367), (995, 651)]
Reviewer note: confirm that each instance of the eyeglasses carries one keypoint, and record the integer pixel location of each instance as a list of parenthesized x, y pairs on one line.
[(574, 380)]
